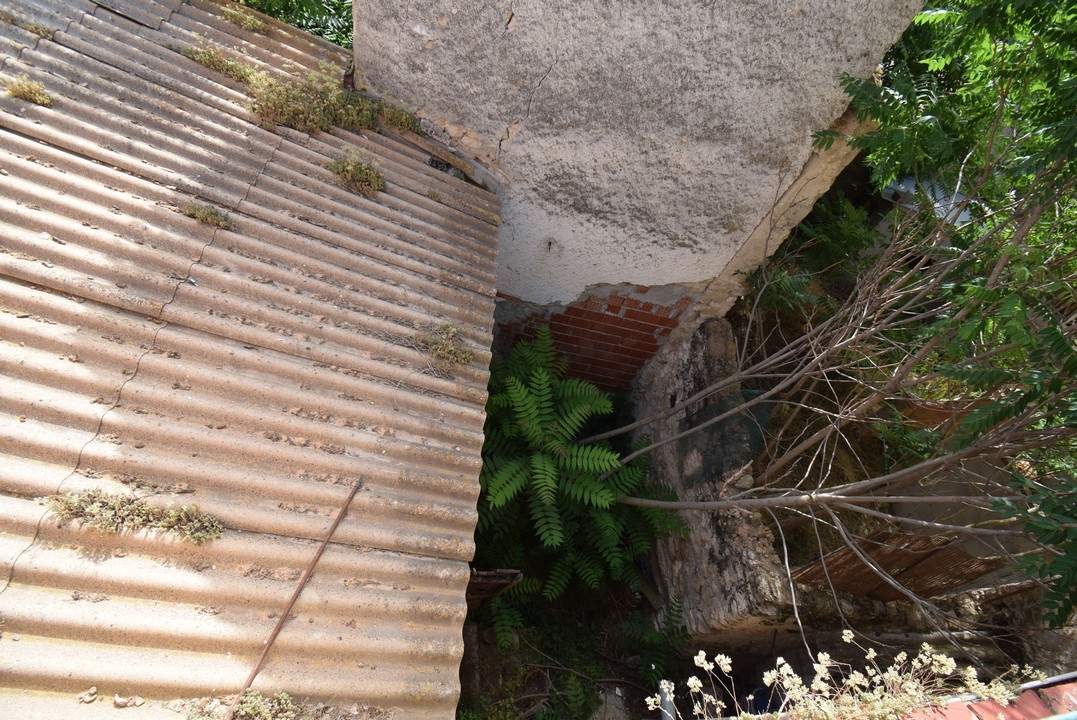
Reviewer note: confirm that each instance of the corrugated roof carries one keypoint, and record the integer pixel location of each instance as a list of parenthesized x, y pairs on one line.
[(258, 371)]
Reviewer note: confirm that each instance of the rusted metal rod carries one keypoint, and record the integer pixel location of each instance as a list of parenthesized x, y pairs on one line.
[(295, 596)]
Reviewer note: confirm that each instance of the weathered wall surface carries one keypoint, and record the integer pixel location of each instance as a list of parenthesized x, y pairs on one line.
[(639, 143), (725, 570)]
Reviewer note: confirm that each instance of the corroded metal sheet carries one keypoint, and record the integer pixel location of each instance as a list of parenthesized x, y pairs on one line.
[(258, 370), (928, 565)]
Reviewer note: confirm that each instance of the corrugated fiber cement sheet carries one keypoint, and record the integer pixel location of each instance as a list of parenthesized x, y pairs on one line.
[(257, 369)]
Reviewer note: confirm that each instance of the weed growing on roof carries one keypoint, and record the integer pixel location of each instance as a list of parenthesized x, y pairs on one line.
[(443, 345), (36, 28), (29, 90), (434, 195), (255, 706), (312, 102), (115, 513), (398, 119), (207, 214), (245, 20), (357, 174), (213, 57)]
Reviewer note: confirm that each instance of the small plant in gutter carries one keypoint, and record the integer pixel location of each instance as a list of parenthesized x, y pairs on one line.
[(442, 343), (115, 513), (357, 174), (29, 90), (32, 27), (245, 20), (312, 102), (207, 214), (213, 57)]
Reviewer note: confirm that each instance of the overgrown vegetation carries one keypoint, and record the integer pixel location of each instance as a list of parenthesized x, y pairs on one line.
[(953, 339), (357, 174), (549, 507), (116, 513), (29, 90), (312, 102), (207, 214), (549, 504)]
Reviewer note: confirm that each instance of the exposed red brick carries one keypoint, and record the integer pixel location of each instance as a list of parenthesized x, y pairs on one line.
[(580, 328), (629, 324), (650, 318), (604, 339)]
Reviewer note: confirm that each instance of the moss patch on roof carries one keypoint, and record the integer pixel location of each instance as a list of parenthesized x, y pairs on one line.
[(114, 513), (357, 174), (213, 57)]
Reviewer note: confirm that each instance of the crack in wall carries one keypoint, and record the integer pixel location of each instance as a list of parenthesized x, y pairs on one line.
[(514, 127)]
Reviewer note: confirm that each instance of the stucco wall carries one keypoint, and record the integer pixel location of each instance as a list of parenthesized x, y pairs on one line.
[(637, 142)]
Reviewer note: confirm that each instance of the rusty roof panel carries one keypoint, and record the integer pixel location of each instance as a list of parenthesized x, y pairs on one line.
[(928, 565), (258, 370)]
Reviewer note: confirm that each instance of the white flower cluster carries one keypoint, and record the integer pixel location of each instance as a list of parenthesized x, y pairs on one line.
[(838, 692)]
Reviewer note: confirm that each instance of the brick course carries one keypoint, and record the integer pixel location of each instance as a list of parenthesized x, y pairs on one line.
[(606, 339)]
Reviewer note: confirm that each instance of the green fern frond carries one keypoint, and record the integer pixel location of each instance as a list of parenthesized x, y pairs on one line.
[(541, 387), (507, 482), (507, 619), (526, 586), (547, 522), (594, 459), (544, 478), (584, 489), (589, 569), (629, 478), (557, 578)]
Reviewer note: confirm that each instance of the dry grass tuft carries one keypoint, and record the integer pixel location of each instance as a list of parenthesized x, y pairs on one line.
[(29, 90)]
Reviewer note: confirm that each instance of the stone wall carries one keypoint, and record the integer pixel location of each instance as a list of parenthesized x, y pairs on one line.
[(725, 571)]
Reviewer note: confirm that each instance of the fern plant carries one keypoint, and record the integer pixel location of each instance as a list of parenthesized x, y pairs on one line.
[(549, 504)]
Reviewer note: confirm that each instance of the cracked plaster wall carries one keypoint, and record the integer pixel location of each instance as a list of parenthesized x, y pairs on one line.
[(636, 142)]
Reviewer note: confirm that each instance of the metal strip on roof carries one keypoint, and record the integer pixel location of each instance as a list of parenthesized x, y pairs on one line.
[(256, 370)]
